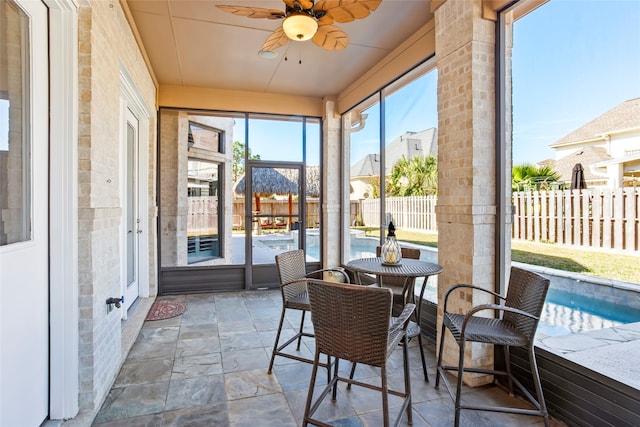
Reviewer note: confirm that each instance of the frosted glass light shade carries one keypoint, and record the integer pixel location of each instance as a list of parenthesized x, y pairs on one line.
[(299, 26)]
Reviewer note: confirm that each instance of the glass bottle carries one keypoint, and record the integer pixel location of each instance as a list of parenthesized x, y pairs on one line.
[(390, 252)]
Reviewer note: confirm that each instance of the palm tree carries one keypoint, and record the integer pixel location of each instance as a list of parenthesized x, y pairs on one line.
[(528, 176), (415, 177)]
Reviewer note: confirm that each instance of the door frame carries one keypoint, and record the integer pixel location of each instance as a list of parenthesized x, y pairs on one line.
[(266, 273), (63, 215), (130, 99)]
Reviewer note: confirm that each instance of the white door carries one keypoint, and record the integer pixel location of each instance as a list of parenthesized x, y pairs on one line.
[(24, 177), (133, 225)]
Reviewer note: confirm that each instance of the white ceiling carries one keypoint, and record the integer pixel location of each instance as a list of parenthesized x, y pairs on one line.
[(194, 43)]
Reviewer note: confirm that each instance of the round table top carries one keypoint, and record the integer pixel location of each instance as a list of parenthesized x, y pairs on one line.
[(407, 267)]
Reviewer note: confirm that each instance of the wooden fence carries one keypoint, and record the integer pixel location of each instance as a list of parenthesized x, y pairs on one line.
[(408, 213), (596, 218)]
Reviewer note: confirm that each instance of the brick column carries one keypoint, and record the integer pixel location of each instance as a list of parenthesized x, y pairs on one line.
[(466, 210), (331, 155)]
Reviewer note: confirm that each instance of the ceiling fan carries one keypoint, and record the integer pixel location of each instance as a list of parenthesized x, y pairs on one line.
[(309, 19)]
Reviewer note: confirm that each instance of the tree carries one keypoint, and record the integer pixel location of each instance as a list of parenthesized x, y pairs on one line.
[(238, 160), (527, 176), (415, 177)]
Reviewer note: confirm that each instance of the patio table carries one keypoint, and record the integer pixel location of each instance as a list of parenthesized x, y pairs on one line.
[(407, 269)]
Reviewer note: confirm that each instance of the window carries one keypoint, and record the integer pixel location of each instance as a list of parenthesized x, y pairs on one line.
[(203, 204), (391, 142), (15, 156)]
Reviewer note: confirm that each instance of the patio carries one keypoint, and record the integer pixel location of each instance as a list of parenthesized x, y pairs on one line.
[(208, 366)]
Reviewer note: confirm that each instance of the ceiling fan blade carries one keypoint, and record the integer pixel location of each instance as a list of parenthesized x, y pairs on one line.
[(330, 37), (325, 20), (253, 12), (275, 40), (347, 10)]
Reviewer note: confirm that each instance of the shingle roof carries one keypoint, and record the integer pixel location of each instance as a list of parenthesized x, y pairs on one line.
[(587, 156), (409, 145), (623, 116)]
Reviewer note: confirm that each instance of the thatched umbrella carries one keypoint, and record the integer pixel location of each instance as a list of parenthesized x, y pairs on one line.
[(312, 182), (266, 181), (312, 179)]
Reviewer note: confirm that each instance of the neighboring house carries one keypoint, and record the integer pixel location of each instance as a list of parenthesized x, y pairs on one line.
[(608, 147), (364, 172)]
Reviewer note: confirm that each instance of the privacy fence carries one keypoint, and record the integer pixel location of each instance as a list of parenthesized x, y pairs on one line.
[(596, 218)]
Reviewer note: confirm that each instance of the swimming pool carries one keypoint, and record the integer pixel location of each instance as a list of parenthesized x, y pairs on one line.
[(564, 313)]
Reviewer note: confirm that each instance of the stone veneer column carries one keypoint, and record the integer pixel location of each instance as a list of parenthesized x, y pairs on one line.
[(331, 184), (466, 167)]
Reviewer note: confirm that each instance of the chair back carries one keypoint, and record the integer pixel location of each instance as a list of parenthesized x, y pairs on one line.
[(409, 253), (351, 322), (527, 292), (291, 266)]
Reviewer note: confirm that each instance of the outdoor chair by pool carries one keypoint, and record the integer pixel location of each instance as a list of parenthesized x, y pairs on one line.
[(515, 328), (354, 323), (293, 287)]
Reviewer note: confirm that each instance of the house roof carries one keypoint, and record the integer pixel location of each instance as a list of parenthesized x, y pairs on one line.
[(369, 165), (409, 145), (587, 156), (623, 116)]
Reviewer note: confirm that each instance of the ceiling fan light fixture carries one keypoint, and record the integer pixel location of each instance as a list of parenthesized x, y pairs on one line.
[(299, 26)]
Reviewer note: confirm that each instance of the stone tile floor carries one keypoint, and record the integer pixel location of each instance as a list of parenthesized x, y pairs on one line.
[(208, 367)]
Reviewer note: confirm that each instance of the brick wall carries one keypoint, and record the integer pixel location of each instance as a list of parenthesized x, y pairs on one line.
[(466, 166), (105, 42)]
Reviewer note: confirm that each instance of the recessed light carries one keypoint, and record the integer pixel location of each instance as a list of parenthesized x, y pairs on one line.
[(268, 54)]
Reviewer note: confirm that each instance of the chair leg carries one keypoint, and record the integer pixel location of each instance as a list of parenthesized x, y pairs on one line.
[(353, 372), (440, 351), (334, 392), (424, 364), (275, 345), (538, 385), (385, 400), (507, 361), (301, 328), (407, 378), (460, 375), (312, 384)]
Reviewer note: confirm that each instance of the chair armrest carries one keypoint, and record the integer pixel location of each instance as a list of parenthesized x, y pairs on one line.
[(453, 288), (496, 307), (333, 269), (400, 321)]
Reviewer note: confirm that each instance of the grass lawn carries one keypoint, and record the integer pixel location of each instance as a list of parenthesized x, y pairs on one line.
[(587, 261)]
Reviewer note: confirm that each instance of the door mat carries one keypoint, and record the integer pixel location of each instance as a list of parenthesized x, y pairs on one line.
[(165, 309)]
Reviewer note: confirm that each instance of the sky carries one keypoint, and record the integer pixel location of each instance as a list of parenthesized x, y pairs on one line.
[(573, 60)]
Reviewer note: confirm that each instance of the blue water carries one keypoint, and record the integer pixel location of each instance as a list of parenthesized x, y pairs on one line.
[(563, 313)]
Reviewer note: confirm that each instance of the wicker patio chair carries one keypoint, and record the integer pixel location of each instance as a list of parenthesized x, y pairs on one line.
[(403, 292), (354, 323), (293, 287), (515, 328)]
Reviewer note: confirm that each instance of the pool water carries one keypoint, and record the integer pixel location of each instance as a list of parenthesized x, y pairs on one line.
[(563, 313)]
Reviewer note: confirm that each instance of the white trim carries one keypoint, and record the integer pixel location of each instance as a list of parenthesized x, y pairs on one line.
[(63, 214), (132, 99), (615, 161)]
